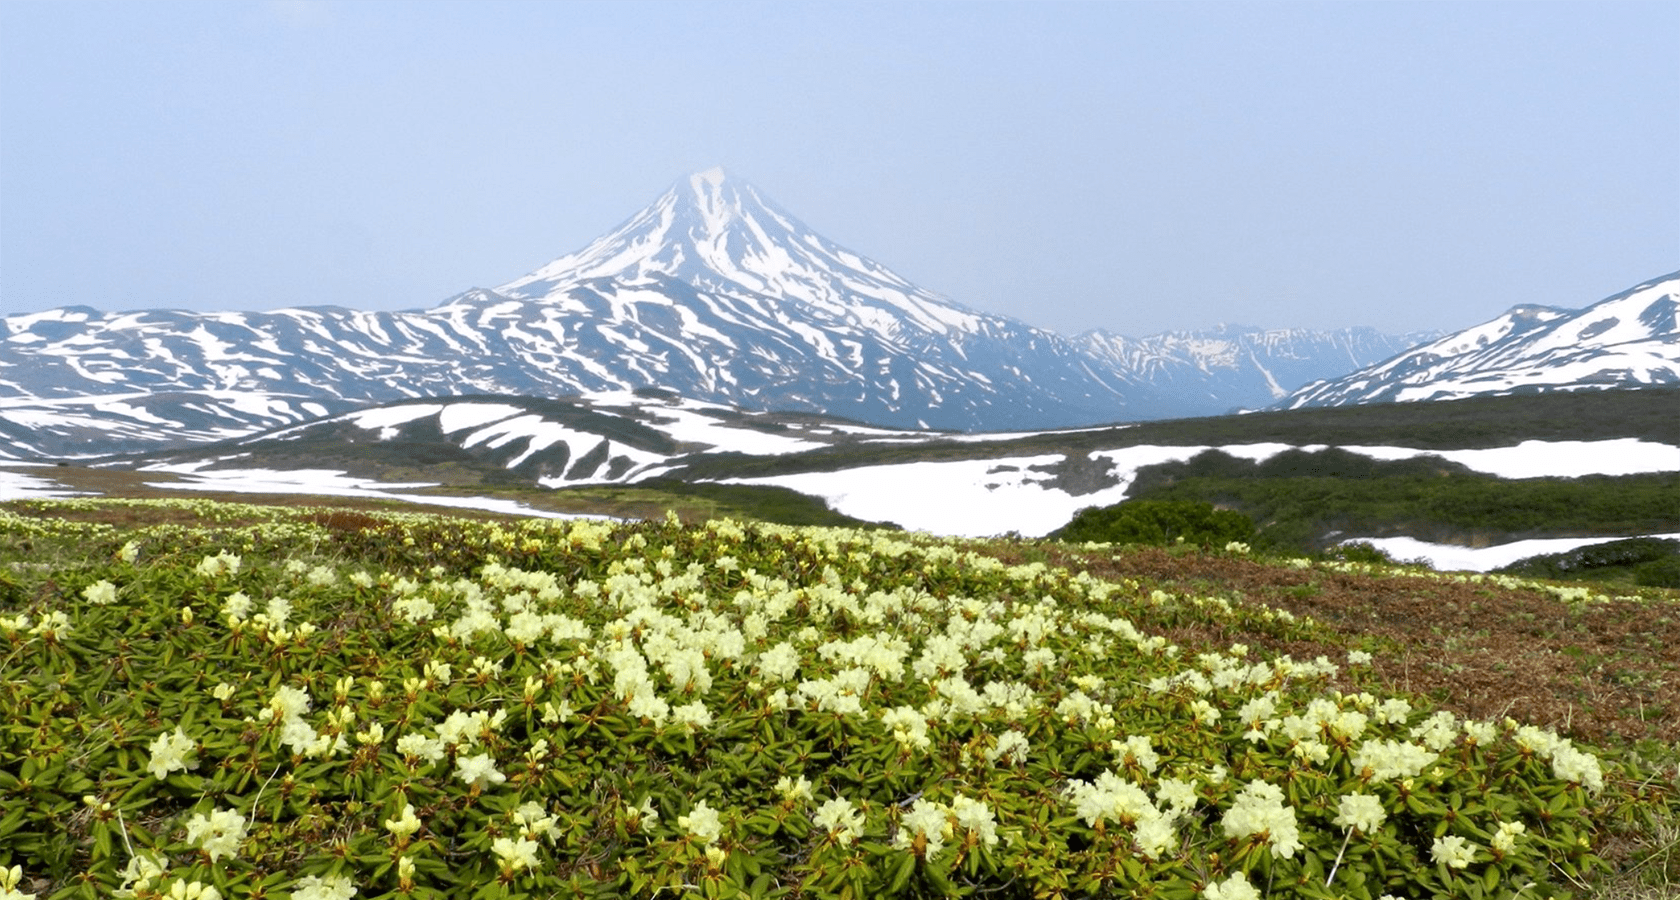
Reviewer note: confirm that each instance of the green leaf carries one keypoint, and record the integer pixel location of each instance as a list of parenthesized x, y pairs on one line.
[(905, 867)]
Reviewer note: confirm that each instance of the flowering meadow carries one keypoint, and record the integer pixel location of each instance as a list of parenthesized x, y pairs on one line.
[(320, 705)]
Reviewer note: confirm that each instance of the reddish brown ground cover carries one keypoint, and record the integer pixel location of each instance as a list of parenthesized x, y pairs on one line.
[(1601, 672)]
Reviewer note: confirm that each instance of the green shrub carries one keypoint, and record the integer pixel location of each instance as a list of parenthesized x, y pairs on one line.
[(1158, 522), (1654, 562), (1304, 500), (1663, 572), (1359, 552)]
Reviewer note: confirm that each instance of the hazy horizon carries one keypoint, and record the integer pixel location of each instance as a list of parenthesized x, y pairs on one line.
[(1135, 167)]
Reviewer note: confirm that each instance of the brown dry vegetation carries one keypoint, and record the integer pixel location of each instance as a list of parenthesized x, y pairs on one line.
[(1601, 672)]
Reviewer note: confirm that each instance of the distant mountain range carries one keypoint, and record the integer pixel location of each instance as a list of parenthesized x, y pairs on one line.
[(712, 293), (1631, 339)]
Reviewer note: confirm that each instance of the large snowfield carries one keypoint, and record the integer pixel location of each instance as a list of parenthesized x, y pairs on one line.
[(982, 498)]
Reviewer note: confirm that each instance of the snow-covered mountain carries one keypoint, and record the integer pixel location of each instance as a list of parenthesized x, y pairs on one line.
[(1241, 366), (1629, 340), (712, 292), (68, 427)]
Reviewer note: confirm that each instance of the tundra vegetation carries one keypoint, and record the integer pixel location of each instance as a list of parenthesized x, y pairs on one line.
[(212, 700), (1306, 500), (1647, 561)]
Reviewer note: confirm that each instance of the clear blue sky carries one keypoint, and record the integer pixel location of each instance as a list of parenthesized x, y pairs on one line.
[(1131, 166)]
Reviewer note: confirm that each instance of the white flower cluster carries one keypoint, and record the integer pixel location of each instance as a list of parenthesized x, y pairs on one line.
[(702, 822), (907, 726), (1236, 887), (100, 593), (287, 706), (1259, 811), (1363, 813), (1011, 747), (1111, 798), (642, 816), (1136, 751), (1385, 759), (1438, 732), (793, 790), (218, 834), (9, 881), (144, 868), (462, 728), (170, 752), (843, 821), (236, 608), (928, 824), (1568, 763), (478, 772), (404, 825), (413, 606), (192, 890), (327, 887), (518, 852), (223, 563), (1505, 839), (1453, 851), (54, 626)]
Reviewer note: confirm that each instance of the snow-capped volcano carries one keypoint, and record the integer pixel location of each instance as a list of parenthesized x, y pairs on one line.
[(1628, 340), (719, 234), (712, 292)]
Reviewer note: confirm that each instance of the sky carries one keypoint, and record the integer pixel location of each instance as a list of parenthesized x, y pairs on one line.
[(1135, 167)]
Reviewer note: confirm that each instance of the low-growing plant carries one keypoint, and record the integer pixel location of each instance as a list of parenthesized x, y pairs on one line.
[(1359, 552), (1306, 500), (1652, 562), (1158, 522), (421, 707)]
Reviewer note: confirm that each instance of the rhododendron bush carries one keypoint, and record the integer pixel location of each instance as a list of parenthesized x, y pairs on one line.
[(443, 709)]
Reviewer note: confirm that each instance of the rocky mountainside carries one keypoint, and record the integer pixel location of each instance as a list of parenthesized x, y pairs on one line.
[(1629, 340), (712, 292)]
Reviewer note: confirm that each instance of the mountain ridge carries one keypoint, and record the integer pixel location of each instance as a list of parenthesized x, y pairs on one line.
[(1629, 339)]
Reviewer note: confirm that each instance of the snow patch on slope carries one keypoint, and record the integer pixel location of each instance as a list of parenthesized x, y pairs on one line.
[(983, 498), (21, 486), (333, 483), (1550, 459), (1453, 558)]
